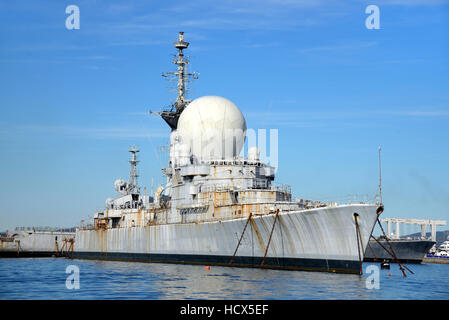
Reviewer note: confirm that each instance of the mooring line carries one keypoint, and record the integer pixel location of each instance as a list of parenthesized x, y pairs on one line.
[(392, 255), (392, 251), (269, 239), (241, 237), (358, 242)]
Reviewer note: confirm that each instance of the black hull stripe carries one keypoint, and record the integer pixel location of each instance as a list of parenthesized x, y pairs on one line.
[(391, 260), (27, 254), (338, 266)]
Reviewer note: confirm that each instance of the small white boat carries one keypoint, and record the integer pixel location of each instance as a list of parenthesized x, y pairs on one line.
[(443, 249)]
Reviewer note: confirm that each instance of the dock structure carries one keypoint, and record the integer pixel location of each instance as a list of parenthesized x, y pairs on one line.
[(433, 259), (422, 222)]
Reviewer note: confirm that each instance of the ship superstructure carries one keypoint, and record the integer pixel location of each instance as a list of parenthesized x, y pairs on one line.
[(220, 208)]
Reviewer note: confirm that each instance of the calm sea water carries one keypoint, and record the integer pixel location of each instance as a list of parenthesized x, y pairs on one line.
[(45, 278)]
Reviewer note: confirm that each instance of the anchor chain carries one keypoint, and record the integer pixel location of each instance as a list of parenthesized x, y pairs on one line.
[(392, 251), (269, 239), (359, 240), (240, 240)]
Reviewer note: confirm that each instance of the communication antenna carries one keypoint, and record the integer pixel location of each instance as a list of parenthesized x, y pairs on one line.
[(152, 186), (133, 171), (380, 176), (182, 77)]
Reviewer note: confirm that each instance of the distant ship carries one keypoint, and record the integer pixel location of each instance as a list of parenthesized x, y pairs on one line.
[(221, 209), (406, 250)]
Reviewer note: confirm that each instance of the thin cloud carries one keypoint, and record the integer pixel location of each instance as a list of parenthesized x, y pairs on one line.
[(90, 132), (220, 23), (411, 2), (339, 47), (262, 45), (323, 119), (47, 47), (419, 113), (224, 15), (60, 60)]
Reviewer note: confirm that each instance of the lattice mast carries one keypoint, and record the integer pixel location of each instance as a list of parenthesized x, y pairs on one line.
[(182, 76), (132, 185)]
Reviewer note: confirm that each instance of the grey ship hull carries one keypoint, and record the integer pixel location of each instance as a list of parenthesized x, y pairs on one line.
[(407, 251), (320, 239), (33, 244)]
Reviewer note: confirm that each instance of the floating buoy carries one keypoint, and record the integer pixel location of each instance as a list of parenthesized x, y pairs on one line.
[(385, 265), (389, 274), (207, 268)]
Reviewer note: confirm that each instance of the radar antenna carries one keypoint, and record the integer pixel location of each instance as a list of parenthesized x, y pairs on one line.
[(132, 186), (182, 76)]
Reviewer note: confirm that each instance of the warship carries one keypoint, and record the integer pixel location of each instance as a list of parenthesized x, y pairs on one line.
[(220, 208), (405, 250)]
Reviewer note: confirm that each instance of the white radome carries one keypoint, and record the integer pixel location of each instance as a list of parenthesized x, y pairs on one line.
[(254, 153), (120, 185), (109, 202), (213, 127)]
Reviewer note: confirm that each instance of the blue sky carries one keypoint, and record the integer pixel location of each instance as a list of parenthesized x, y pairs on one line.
[(73, 101)]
